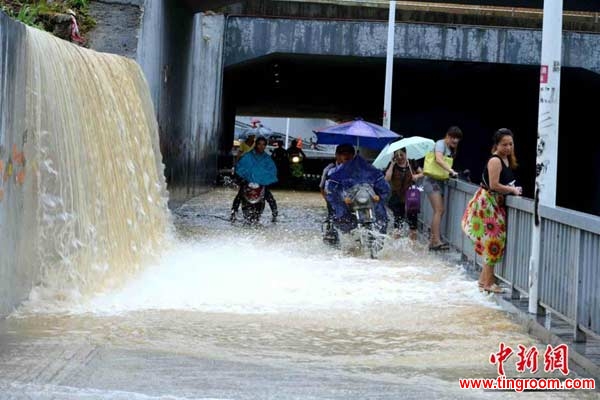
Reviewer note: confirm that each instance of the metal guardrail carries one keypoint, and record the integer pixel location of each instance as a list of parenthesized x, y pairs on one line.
[(569, 278)]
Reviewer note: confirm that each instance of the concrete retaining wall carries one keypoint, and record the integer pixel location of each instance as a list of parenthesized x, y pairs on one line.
[(17, 274), (202, 110), (181, 56), (117, 27)]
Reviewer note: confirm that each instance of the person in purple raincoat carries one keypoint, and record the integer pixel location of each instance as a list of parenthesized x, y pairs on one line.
[(348, 174)]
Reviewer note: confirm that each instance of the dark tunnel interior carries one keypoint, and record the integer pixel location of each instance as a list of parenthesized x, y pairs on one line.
[(427, 98)]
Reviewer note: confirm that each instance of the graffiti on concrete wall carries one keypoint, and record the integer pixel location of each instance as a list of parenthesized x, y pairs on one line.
[(12, 166)]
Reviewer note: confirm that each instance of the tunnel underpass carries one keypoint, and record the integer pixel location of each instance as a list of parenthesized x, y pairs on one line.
[(428, 97), (112, 295)]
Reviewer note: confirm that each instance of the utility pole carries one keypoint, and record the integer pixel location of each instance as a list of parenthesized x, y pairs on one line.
[(287, 132), (389, 67), (547, 140)]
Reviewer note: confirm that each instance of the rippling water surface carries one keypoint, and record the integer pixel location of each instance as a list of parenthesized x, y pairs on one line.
[(268, 312)]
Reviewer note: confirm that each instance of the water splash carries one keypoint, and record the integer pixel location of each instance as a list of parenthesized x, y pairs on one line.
[(241, 274)]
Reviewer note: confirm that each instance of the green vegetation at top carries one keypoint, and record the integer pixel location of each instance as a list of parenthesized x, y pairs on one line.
[(38, 13)]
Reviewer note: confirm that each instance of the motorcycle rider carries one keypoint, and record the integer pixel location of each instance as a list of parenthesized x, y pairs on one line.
[(351, 172), (296, 158), (281, 159), (245, 146), (256, 166), (343, 154)]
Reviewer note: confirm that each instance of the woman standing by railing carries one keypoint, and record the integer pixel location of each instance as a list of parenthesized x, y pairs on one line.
[(444, 152), (484, 220)]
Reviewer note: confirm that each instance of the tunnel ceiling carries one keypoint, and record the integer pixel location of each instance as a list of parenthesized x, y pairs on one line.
[(307, 86), (345, 87)]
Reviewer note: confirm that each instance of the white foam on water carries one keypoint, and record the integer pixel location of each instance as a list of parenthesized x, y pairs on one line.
[(248, 275)]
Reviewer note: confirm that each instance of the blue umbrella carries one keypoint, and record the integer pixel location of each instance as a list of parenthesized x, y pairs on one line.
[(359, 132)]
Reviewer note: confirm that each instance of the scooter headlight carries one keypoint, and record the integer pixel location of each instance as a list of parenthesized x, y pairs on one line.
[(295, 159), (362, 199)]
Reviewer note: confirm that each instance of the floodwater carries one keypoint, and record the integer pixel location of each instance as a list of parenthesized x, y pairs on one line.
[(232, 312)]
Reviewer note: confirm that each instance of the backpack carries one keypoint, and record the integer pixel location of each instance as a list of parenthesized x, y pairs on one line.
[(413, 200)]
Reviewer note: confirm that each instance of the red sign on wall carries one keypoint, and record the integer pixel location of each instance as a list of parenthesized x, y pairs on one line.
[(544, 74)]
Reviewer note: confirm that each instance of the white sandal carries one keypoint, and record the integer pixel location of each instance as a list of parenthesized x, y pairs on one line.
[(494, 289)]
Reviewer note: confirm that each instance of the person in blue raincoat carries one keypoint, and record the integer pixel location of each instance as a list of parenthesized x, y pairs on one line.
[(258, 167), (343, 177)]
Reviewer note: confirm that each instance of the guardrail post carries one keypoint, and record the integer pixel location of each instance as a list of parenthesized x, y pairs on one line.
[(578, 334), (514, 293)]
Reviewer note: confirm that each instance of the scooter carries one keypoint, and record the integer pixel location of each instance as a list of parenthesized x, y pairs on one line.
[(361, 221), (253, 202), (360, 200)]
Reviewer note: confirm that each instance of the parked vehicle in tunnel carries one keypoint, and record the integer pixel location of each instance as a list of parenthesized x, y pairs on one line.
[(273, 138)]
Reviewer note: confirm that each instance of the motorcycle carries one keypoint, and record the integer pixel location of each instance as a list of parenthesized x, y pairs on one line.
[(296, 170), (361, 221), (253, 202), (296, 167)]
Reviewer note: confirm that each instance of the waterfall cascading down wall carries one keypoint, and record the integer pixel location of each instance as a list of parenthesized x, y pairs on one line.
[(84, 196), (181, 55)]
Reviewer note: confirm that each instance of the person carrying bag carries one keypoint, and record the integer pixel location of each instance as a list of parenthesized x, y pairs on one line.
[(434, 170), (438, 169), (405, 200)]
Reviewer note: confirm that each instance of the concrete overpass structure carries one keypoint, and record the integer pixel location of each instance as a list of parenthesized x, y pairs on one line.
[(571, 5), (471, 63)]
